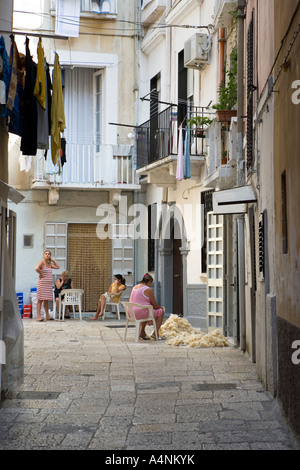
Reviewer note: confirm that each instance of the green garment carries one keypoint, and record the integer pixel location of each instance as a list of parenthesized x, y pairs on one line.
[(40, 84), (58, 123)]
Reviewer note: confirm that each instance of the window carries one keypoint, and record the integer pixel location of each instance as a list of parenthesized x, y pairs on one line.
[(261, 245), (28, 241), (152, 215), (98, 6), (250, 89), (182, 88), (284, 214)]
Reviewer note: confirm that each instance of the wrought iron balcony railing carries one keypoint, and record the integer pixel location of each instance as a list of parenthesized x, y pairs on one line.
[(157, 138)]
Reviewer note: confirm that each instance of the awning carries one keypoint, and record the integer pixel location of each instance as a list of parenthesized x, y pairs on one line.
[(8, 192), (233, 201)]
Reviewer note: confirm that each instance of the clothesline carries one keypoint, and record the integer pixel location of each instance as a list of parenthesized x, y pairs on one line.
[(39, 35), (31, 103)]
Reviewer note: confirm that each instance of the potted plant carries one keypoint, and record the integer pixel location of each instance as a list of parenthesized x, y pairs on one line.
[(224, 157), (228, 93), (199, 122)]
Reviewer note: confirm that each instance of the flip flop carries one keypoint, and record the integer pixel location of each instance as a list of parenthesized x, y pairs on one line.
[(145, 338), (40, 320)]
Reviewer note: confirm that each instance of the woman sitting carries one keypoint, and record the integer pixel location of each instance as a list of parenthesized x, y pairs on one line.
[(142, 294), (114, 293), (61, 284)]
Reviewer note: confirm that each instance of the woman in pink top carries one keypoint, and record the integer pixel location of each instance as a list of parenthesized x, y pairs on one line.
[(142, 294)]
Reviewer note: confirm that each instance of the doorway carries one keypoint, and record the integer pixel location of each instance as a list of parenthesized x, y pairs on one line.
[(177, 278), (89, 263)]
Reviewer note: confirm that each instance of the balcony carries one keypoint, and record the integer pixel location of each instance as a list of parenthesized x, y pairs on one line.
[(152, 10), (88, 166), (221, 164), (223, 12), (157, 148)]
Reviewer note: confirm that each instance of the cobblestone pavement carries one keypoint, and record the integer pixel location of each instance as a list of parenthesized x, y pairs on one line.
[(87, 389)]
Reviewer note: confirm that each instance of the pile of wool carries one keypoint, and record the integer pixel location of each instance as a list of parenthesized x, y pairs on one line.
[(178, 331)]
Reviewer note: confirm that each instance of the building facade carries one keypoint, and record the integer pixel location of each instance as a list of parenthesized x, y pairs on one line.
[(210, 201), (72, 207)]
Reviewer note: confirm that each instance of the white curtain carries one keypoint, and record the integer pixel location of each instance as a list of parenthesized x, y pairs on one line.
[(78, 103)]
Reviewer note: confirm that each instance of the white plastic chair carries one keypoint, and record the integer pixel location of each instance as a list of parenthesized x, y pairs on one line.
[(130, 318), (71, 297), (113, 304)]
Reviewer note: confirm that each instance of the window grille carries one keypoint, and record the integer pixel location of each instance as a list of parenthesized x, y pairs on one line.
[(261, 247)]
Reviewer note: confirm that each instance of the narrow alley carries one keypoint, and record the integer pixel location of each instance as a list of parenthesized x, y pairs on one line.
[(85, 388)]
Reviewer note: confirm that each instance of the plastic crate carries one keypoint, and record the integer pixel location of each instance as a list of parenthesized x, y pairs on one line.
[(27, 311)]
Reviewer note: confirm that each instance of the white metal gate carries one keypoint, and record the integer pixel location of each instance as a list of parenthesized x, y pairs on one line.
[(215, 271), (123, 254)]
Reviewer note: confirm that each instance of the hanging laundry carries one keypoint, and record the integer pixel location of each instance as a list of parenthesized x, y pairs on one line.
[(2, 84), (29, 131), (48, 96), (187, 155), (12, 91), (63, 156), (2, 90), (67, 18), (25, 162), (4, 74), (44, 115), (179, 170), (15, 99), (40, 84), (58, 124)]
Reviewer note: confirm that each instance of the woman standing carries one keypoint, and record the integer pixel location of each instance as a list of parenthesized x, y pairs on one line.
[(44, 291), (143, 294), (113, 293)]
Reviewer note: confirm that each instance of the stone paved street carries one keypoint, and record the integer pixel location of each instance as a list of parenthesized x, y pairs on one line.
[(87, 389)]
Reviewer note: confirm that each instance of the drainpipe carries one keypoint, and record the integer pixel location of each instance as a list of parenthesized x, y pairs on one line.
[(221, 54), (240, 173)]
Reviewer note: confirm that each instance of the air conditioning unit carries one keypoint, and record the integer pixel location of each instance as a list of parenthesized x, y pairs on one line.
[(197, 51)]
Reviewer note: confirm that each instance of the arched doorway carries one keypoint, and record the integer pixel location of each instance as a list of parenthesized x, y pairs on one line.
[(171, 268)]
